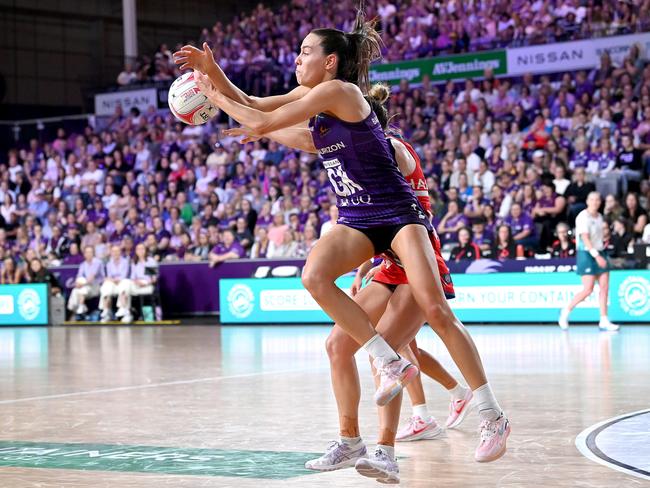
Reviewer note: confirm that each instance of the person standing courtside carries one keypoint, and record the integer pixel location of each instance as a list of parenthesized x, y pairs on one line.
[(592, 263)]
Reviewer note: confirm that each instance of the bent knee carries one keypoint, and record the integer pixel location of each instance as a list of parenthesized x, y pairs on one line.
[(315, 280), (439, 315), (340, 347)]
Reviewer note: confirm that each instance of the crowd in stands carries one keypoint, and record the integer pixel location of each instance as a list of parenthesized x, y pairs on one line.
[(257, 50), (509, 164)]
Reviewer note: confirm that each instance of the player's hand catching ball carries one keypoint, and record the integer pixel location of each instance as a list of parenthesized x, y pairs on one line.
[(206, 87), (190, 57)]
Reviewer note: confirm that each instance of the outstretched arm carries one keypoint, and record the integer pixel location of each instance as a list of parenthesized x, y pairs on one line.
[(296, 137), (190, 57), (332, 96)]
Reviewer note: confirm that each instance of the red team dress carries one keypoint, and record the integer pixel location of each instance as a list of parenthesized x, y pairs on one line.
[(391, 272)]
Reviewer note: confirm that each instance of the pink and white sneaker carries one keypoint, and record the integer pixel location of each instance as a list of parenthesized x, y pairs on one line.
[(458, 409), (393, 376), (419, 429), (494, 434)]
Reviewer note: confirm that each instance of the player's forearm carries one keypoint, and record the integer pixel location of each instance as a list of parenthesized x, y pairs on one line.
[(245, 115), (227, 87), (294, 137)]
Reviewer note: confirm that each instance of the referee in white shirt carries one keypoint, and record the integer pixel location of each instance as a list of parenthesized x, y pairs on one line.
[(592, 262)]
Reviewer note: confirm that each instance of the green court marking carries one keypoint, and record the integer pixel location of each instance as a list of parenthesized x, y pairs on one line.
[(151, 459)]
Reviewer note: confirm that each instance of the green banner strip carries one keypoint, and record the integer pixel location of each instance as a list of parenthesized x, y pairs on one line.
[(441, 68), (152, 459)]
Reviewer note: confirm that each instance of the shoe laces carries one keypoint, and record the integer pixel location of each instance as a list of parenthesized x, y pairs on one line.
[(413, 422), (488, 429), (333, 446), (384, 371), (381, 455)]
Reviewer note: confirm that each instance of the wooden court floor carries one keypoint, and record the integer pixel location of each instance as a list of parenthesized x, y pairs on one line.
[(246, 406)]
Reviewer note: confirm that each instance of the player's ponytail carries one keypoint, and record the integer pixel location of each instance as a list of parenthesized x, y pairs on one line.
[(355, 50), (377, 97)]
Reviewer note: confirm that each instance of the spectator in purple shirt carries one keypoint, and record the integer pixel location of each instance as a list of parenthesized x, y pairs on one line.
[(74, 257), (229, 248), (451, 223), (548, 211), (89, 278), (117, 269), (521, 225), (162, 234), (480, 236)]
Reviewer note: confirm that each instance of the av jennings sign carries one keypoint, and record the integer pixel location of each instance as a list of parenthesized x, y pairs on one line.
[(441, 68), (545, 58)]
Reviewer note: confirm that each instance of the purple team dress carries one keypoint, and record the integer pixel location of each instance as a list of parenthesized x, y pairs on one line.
[(370, 190)]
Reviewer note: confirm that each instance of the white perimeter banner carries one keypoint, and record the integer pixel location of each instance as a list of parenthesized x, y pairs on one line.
[(105, 103), (571, 56)]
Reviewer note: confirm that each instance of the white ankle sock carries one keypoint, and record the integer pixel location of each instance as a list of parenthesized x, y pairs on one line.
[(351, 441), (486, 404), (390, 450), (458, 392), (421, 411), (377, 347)]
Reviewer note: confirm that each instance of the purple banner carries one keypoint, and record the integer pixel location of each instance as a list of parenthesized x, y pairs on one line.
[(193, 288)]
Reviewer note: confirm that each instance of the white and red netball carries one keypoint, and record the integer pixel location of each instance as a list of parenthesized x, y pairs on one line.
[(187, 103)]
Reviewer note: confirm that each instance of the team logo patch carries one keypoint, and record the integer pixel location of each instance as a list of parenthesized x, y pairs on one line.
[(29, 304), (241, 301), (322, 130), (634, 296)]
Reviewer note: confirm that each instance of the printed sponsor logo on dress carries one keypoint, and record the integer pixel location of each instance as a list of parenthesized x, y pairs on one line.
[(331, 163), (329, 149)]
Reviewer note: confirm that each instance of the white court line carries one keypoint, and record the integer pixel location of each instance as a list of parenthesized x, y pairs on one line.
[(581, 444), (149, 385)]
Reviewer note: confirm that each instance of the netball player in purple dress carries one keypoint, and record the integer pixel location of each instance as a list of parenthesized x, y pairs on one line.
[(328, 114)]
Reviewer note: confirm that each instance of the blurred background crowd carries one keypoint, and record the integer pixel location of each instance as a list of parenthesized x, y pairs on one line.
[(509, 161)]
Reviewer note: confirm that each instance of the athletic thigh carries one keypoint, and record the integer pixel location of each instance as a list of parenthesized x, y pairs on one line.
[(338, 252), (588, 281), (603, 281), (413, 247)]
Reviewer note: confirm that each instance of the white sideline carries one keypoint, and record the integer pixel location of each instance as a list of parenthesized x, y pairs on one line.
[(147, 385)]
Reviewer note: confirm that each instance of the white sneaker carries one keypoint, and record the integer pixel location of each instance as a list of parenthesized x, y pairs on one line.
[(338, 456), (393, 377), (605, 324), (127, 319), (121, 312), (82, 309), (380, 466), (419, 429), (563, 322)]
